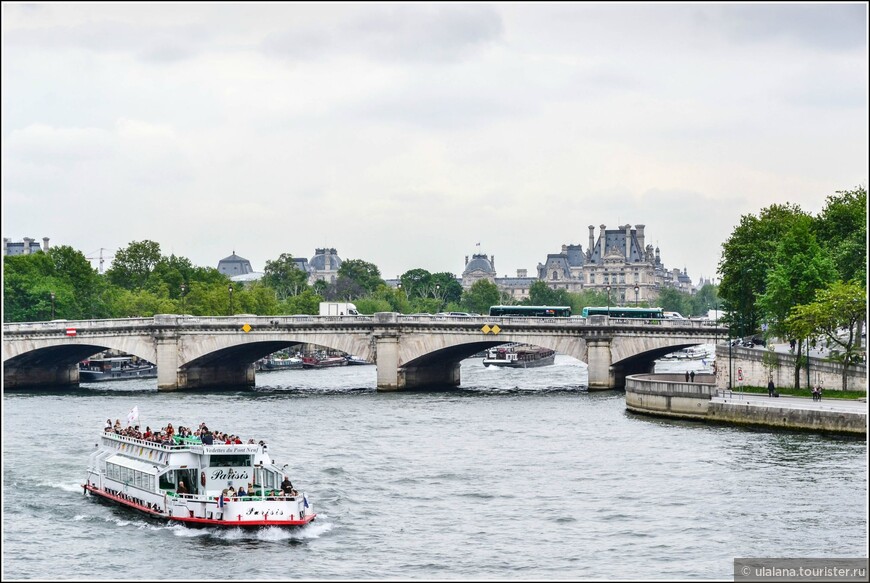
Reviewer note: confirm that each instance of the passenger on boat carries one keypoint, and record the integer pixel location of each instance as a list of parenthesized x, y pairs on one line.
[(108, 425), (147, 435), (287, 487), (117, 426), (182, 489), (241, 493), (231, 492)]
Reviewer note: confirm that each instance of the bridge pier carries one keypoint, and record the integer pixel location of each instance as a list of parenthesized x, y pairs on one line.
[(600, 361), (436, 375), (30, 377), (232, 374), (167, 363), (391, 377)]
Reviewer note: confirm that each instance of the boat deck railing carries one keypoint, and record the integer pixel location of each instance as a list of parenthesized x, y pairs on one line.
[(180, 443), (268, 495)]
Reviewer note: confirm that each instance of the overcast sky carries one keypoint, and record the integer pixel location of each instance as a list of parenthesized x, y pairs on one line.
[(406, 134)]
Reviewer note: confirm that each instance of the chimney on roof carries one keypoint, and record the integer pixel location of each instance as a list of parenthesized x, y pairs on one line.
[(627, 241), (603, 241), (45, 244), (27, 242), (640, 236)]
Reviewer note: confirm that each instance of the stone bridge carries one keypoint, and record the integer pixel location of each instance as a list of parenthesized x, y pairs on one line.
[(409, 351)]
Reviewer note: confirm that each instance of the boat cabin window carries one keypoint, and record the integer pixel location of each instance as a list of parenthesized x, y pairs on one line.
[(229, 461)]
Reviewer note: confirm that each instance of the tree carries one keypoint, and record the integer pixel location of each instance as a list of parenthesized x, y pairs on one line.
[(480, 296), (540, 294), (841, 228), (800, 268), (836, 313), (132, 266), (356, 274), (417, 283), (448, 289), (284, 276)]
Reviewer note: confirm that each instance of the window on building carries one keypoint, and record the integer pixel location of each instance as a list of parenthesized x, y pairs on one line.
[(555, 275)]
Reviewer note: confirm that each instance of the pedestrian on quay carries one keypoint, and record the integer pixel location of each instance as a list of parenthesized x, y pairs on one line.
[(687, 376), (770, 387), (692, 375)]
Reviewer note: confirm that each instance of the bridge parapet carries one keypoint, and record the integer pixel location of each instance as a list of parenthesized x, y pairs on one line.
[(409, 350)]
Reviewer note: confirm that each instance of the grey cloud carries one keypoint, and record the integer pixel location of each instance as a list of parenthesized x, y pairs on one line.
[(425, 33), (111, 36), (827, 26)]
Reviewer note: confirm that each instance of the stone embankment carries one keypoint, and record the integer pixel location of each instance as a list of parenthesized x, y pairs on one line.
[(668, 395)]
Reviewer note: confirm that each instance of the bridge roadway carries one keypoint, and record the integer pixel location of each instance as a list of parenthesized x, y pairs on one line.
[(409, 351)]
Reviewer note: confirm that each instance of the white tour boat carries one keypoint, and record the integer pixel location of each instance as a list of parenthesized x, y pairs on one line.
[(146, 476)]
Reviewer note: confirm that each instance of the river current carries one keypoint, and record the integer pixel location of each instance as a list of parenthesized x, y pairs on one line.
[(515, 475)]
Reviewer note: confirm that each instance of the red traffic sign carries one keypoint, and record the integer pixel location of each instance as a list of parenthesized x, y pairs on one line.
[(739, 374), (70, 331)]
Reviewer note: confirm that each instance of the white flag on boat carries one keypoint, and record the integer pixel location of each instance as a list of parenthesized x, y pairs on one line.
[(133, 415)]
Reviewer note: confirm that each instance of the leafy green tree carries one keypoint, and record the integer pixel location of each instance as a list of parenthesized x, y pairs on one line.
[(747, 257), (836, 313), (841, 228), (673, 300), (447, 288), (540, 294), (306, 302), (417, 283), (480, 296), (133, 265), (356, 274), (801, 268), (284, 276)]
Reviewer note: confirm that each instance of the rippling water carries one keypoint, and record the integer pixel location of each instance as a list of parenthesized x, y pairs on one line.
[(518, 474)]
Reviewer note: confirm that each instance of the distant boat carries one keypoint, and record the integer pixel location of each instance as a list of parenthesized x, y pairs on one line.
[(115, 369), (322, 361), (519, 356), (356, 360), (691, 353), (281, 363)]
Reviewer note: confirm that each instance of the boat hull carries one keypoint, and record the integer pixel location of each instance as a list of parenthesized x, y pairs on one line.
[(543, 361), (91, 376), (193, 522), (326, 363)]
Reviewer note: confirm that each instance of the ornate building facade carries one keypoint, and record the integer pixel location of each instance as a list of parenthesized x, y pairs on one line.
[(618, 262)]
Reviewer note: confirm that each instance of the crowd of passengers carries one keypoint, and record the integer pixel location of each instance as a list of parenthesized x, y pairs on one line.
[(171, 436)]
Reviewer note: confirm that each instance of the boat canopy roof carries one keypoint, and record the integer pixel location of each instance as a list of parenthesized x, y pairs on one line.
[(132, 464)]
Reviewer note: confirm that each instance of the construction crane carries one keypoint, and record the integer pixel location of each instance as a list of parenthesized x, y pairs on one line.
[(92, 257)]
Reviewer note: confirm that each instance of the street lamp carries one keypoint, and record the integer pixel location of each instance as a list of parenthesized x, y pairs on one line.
[(52, 305), (636, 291), (230, 288), (183, 291), (608, 300)]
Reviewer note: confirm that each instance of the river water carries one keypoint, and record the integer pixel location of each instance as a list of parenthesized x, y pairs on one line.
[(516, 475)]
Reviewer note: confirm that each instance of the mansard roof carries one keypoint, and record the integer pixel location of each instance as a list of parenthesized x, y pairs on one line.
[(615, 239)]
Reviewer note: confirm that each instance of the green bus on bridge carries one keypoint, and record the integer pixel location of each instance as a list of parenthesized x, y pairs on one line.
[(622, 312), (532, 311)]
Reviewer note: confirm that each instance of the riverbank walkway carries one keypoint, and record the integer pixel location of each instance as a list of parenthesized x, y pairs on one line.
[(784, 402)]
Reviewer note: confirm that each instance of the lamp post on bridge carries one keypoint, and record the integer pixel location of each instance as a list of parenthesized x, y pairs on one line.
[(52, 305), (183, 291), (230, 288), (608, 300), (636, 292)]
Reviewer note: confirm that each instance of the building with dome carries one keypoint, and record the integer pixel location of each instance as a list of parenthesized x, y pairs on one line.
[(323, 266), (618, 262)]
